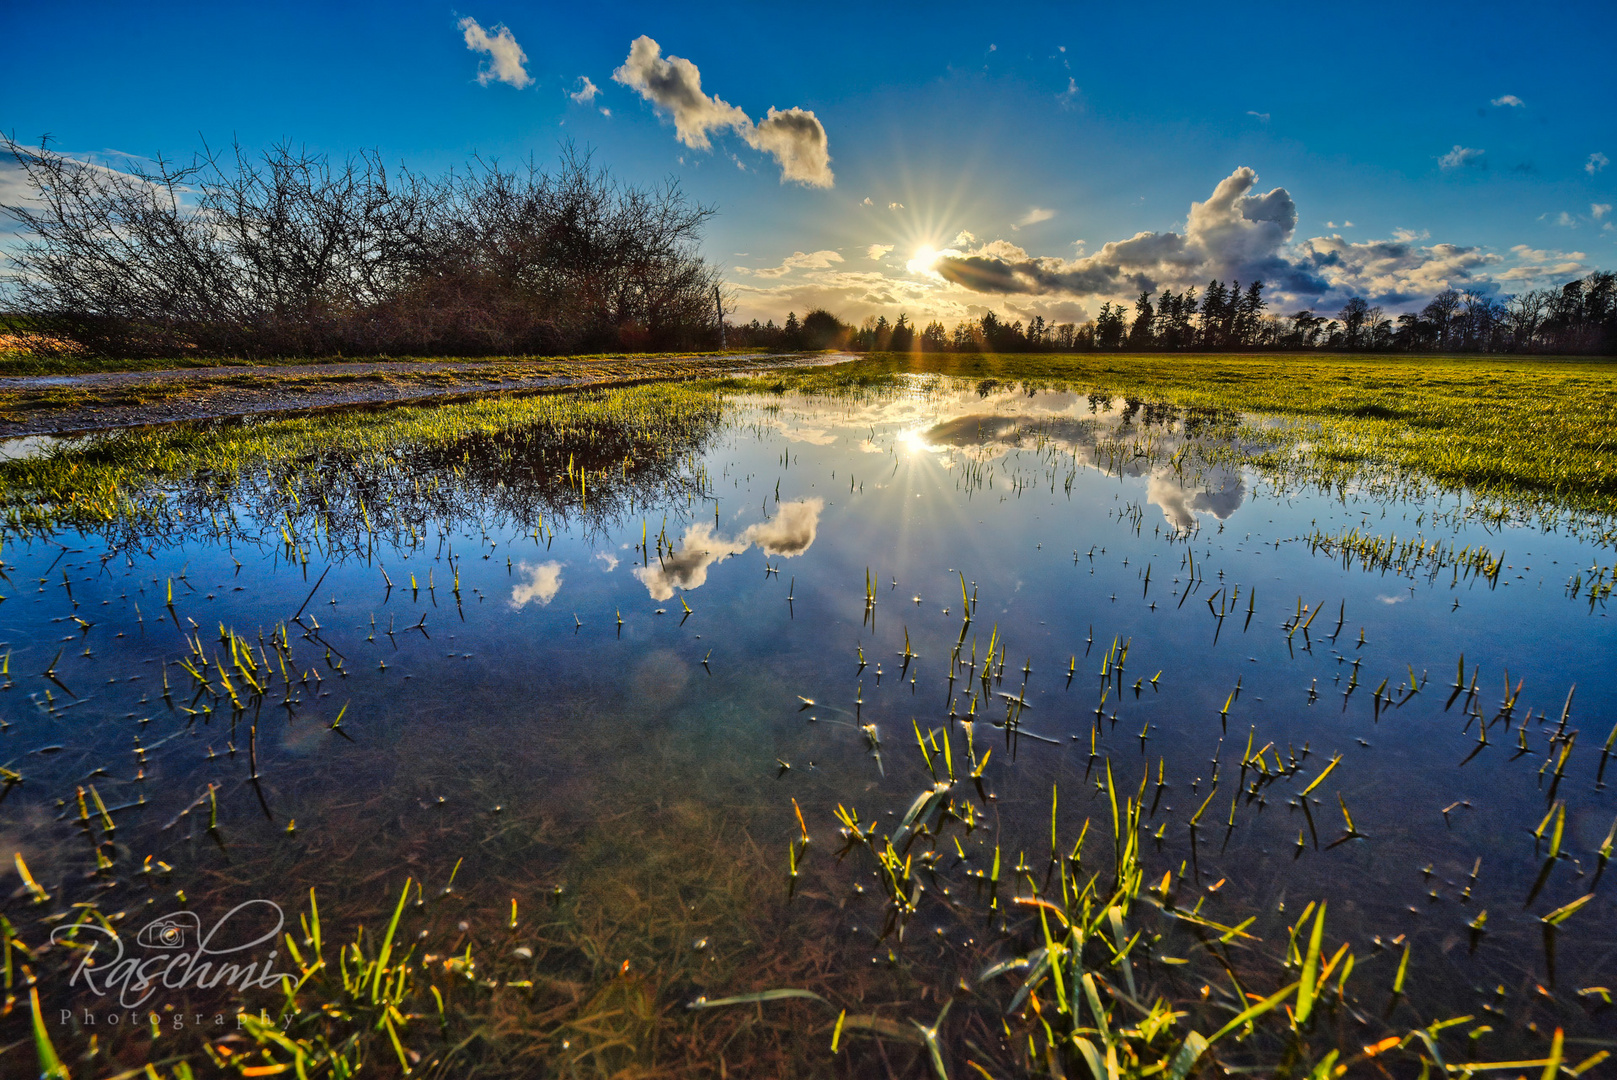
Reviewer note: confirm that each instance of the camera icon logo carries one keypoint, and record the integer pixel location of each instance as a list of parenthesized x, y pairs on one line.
[(171, 931)]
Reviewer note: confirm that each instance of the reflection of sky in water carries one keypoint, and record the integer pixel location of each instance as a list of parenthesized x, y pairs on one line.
[(542, 584), (788, 533), (982, 428), (1181, 502), (914, 488)]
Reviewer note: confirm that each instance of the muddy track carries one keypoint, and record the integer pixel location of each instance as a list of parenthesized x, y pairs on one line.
[(71, 404)]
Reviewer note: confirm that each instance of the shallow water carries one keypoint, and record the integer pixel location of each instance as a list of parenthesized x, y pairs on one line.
[(566, 720)]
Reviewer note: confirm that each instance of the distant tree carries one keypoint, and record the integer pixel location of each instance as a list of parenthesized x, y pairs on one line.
[(1413, 333), (1249, 315), (1377, 332), (1109, 327), (990, 326), (1353, 316), (822, 330), (1037, 334), (1440, 312), (903, 336), (1214, 304), (1140, 334)]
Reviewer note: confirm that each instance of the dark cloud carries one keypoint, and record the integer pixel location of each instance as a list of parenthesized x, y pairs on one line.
[(1235, 234)]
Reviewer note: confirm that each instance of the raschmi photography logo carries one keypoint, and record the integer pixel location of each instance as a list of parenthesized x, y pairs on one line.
[(176, 952)]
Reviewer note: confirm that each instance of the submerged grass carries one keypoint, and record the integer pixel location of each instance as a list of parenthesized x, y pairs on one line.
[(1525, 430), (136, 477)]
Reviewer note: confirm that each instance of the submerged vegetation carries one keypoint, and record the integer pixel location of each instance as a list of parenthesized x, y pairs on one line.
[(569, 862), (494, 456)]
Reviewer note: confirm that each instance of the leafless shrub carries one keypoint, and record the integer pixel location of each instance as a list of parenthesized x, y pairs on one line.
[(290, 253)]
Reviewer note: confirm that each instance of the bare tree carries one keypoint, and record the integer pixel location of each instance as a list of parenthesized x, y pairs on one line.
[(293, 253)]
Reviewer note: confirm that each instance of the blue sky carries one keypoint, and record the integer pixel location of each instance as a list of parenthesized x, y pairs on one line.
[(1415, 147)]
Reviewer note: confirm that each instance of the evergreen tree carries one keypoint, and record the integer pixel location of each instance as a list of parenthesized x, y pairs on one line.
[(1140, 334), (1213, 304)]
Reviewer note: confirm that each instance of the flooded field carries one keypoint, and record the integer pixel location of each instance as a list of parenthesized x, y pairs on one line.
[(1003, 727)]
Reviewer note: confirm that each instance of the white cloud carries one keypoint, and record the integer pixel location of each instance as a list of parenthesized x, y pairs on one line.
[(1069, 96), (1263, 117), (608, 561), (1596, 162), (1391, 271), (1034, 215), (1461, 157), (586, 91), (1407, 236), (505, 56), (895, 206), (15, 190), (795, 138), (1509, 101), (544, 581), (878, 251), (674, 87), (867, 202), (797, 260), (1566, 220), (1599, 210), (1535, 268)]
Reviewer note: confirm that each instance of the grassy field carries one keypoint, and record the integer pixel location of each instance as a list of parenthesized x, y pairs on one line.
[(1532, 430)]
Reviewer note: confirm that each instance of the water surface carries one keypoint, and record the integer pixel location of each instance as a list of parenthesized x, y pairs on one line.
[(493, 684)]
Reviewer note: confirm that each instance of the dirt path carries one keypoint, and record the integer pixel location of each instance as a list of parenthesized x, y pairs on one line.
[(64, 404)]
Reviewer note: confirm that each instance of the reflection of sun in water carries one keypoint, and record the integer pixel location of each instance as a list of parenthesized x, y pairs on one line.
[(912, 440)]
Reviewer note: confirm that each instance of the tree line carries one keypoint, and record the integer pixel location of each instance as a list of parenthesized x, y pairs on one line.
[(1578, 317), (293, 253)]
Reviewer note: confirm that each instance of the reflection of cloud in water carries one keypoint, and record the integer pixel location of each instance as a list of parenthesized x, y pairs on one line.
[(1219, 492), (812, 435), (544, 581), (687, 567), (788, 533), (996, 434), (609, 561)]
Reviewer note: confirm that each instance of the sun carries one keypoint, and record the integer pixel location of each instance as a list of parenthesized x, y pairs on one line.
[(925, 258)]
